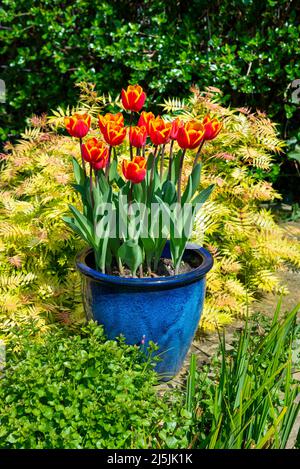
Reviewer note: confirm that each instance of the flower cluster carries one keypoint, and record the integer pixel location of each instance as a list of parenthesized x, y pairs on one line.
[(152, 141), (189, 135)]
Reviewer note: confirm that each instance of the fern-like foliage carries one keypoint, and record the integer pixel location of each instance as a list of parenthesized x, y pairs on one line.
[(38, 281)]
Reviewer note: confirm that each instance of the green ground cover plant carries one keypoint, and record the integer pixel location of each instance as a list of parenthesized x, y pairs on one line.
[(75, 389)]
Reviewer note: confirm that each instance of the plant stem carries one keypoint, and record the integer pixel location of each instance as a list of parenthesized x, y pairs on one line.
[(130, 196), (152, 172), (121, 269), (138, 152), (170, 160), (198, 153), (130, 125), (180, 176), (108, 163), (82, 159), (144, 151), (115, 154), (96, 177), (91, 185), (162, 162)]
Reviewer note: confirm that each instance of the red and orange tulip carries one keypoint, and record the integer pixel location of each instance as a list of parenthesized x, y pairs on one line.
[(138, 136), (145, 119), (212, 127), (117, 118), (176, 124), (114, 134), (135, 170), (190, 135), (78, 125), (159, 131), (95, 153), (133, 98)]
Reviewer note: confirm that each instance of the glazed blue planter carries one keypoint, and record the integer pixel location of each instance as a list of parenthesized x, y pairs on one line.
[(166, 310)]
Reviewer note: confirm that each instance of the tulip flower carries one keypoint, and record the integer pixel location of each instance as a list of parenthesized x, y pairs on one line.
[(95, 153), (190, 135), (133, 98), (138, 136), (117, 118), (176, 124), (212, 127), (135, 170), (114, 134), (145, 119), (159, 131), (78, 125)]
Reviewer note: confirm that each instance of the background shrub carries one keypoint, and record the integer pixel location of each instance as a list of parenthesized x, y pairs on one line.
[(248, 48)]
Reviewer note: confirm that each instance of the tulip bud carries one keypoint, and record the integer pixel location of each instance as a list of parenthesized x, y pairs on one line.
[(114, 134), (95, 153), (135, 170), (78, 125), (159, 131), (190, 135), (137, 136), (133, 98)]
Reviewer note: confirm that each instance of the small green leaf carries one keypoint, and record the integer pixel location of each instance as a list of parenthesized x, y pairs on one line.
[(131, 254)]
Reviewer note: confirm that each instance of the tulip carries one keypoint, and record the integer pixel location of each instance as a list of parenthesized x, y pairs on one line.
[(212, 127), (78, 125), (135, 170), (145, 119), (95, 153), (176, 124), (190, 135), (133, 98), (159, 131), (114, 134), (138, 136), (117, 118)]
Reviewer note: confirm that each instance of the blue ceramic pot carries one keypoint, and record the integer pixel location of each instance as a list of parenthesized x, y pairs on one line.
[(166, 310)]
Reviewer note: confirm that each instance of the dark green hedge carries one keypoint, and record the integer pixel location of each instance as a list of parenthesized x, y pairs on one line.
[(248, 48)]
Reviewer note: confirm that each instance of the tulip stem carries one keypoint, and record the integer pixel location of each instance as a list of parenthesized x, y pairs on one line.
[(91, 185), (180, 176), (82, 159), (144, 151), (115, 154), (170, 160), (130, 197), (108, 163), (162, 162), (152, 173), (198, 153), (138, 152), (130, 125)]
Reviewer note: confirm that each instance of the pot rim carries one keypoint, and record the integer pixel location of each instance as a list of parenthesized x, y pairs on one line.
[(174, 280)]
